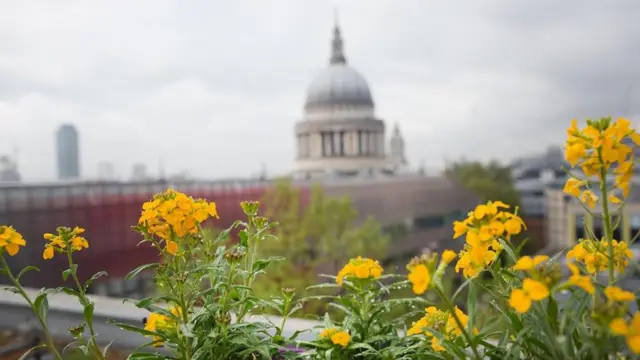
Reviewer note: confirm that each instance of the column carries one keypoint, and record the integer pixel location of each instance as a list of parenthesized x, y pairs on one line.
[(373, 139)]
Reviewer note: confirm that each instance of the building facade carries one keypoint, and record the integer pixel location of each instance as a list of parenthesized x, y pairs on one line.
[(567, 220), (68, 152), (340, 133)]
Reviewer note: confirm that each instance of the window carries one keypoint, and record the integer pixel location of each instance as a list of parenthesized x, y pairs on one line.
[(580, 233), (327, 144), (341, 143), (429, 222)]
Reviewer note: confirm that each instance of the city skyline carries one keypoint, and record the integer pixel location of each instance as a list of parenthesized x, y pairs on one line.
[(214, 89)]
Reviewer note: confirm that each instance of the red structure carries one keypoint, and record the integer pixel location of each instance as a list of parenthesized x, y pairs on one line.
[(107, 210)]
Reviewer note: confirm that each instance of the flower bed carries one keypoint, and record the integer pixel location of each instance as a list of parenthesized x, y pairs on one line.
[(206, 298)]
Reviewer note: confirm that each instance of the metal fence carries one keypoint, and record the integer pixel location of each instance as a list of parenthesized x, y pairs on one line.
[(107, 211)]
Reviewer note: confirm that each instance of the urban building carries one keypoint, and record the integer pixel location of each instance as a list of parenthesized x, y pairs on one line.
[(9, 170), (340, 134), (340, 139), (68, 152), (532, 176)]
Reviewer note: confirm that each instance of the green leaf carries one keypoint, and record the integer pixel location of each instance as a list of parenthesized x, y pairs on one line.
[(88, 313), (244, 237), (26, 355), (70, 271), (509, 250), (134, 329), (472, 301), (552, 313), (41, 305), (140, 269), (94, 277), (261, 264), (10, 289), (26, 270)]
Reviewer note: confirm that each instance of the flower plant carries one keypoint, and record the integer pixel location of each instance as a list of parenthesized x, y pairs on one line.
[(568, 306)]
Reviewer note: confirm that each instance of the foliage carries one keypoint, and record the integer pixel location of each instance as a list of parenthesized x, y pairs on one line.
[(490, 181), (324, 233), (207, 299)]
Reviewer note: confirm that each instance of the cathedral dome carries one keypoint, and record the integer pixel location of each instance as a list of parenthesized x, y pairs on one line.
[(338, 84)]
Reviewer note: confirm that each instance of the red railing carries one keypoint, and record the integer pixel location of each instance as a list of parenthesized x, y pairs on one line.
[(107, 219)]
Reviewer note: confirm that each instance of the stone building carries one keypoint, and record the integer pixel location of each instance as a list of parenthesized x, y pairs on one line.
[(340, 133)]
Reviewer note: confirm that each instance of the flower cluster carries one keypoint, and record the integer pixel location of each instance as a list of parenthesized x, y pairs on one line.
[(596, 148), (541, 276), (158, 322), (66, 238), (10, 240), (440, 321), (422, 269), (630, 330), (336, 336), (361, 268), (174, 213), (594, 255), (483, 227)]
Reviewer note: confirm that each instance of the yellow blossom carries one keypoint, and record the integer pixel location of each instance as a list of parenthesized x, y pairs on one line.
[(616, 294), (526, 263), (341, 338), (361, 268), (66, 238), (581, 281), (573, 186), (153, 323), (420, 278), (630, 331), (10, 240), (173, 210), (532, 290), (448, 256), (440, 321)]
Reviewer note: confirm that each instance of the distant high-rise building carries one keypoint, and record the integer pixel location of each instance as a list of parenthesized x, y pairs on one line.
[(106, 171), (9, 170), (139, 173), (68, 152)]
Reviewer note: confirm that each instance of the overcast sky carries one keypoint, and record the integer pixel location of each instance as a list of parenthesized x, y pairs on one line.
[(215, 87)]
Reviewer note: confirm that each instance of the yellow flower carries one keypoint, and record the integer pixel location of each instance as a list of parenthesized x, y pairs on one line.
[(10, 240), (526, 263), (78, 243), (341, 338), (616, 294), (589, 198), (66, 237), (154, 323), (172, 247), (630, 331), (326, 333), (48, 252), (175, 210), (441, 321), (579, 280), (572, 186), (361, 268), (532, 290), (448, 256), (420, 278)]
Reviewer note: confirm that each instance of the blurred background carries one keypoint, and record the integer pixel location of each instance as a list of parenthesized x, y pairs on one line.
[(365, 127)]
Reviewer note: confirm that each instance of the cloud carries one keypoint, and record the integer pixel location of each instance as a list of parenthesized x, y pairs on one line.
[(215, 88)]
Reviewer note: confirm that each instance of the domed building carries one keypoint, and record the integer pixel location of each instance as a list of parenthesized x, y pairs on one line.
[(340, 133)]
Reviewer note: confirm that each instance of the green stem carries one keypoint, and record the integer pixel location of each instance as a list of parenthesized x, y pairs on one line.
[(50, 344), (466, 335), (285, 312), (605, 215), (183, 305), (85, 302)]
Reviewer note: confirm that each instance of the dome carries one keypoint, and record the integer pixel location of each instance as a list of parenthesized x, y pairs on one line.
[(338, 84)]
